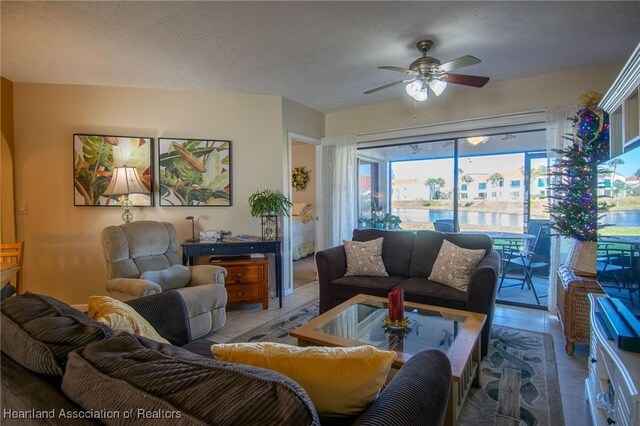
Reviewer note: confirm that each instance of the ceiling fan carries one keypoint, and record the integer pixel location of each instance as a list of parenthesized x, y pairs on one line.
[(427, 72)]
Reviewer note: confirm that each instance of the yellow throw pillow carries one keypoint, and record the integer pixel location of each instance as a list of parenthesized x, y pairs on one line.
[(121, 317), (339, 381)]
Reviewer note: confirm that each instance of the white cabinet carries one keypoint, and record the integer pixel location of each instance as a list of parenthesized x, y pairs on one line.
[(622, 102), (614, 377)]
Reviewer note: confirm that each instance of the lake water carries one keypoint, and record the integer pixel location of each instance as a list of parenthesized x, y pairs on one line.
[(629, 218)]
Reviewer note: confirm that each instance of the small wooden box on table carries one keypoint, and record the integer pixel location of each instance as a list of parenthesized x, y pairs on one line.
[(573, 305), (247, 280)]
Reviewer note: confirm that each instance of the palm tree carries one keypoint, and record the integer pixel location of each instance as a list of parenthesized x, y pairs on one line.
[(615, 163), (495, 179), (434, 185), (466, 179), (637, 174)]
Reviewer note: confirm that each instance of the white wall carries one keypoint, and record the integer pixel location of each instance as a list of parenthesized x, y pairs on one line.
[(63, 257), (457, 103), (304, 155)]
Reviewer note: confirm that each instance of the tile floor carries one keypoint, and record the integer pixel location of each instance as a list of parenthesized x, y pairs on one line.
[(572, 370)]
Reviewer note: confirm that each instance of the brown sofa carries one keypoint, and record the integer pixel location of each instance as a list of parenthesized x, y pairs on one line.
[(408, 258)]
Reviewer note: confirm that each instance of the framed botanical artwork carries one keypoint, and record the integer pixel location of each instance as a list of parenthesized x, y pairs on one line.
[(95, 157), (194, 172)]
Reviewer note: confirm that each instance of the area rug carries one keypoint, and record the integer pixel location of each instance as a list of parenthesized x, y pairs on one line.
[(277, 330), (516, 359)]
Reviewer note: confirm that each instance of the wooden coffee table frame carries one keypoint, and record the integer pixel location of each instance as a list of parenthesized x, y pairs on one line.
[(464, 352)]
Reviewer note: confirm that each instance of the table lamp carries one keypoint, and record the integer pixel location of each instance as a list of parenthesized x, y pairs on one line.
[(124, 181), (193, 238)]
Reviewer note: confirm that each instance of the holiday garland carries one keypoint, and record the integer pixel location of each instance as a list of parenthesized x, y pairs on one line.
[(574, 207), (299, 178)]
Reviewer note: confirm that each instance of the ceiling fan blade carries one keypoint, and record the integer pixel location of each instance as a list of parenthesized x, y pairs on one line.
[(395, 83), (405, 70), (461, 62), (465, 80)]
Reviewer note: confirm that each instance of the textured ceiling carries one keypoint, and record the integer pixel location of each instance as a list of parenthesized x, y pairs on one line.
[(320, 54)]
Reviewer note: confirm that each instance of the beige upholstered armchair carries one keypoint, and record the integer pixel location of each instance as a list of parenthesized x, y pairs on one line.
[(142, 259)]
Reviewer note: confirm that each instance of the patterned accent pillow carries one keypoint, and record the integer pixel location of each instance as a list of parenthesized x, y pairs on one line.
[(121, 317), (454, 265), (365, 258), (176, 276)]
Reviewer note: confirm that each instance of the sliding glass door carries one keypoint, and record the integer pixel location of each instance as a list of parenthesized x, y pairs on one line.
[(494, 184)]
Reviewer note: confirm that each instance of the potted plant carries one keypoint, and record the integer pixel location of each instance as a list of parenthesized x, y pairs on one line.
[(267, 204)]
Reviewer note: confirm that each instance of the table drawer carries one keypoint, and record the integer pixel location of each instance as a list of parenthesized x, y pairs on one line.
[(243, 293), (244, 274)]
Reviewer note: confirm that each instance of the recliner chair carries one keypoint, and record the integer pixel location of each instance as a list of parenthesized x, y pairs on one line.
[(142, 259)]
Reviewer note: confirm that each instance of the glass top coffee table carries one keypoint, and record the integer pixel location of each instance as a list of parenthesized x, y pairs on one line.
[(359, 321)]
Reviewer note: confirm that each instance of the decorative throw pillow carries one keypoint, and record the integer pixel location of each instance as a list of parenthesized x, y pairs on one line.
[(121, 317), (175, 276), (339, 381), (365, 258), (454, 265)]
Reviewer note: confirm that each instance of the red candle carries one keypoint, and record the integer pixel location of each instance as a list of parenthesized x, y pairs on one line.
[(396, 304)]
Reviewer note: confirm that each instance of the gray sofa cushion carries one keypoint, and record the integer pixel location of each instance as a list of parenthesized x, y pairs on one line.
[(162, 377), (347, 287), (427, 246), (396, 248), (421, 290), (39, 331), (23, 391)]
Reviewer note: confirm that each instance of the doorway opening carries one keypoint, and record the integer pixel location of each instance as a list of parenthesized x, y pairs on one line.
[(303, 212)]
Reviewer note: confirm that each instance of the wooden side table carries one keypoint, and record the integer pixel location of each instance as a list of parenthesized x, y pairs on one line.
[(573, 305), (247, 280)]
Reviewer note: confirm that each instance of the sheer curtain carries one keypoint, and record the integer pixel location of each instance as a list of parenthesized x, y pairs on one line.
[(339, 189), (558, 125)]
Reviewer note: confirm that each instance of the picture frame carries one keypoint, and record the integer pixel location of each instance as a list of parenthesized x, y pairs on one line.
[(195, 172), (94, 158)]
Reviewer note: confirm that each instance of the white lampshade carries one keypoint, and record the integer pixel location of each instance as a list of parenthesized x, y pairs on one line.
[(125, 180), (437, 86), (422, 94), (413, 87)]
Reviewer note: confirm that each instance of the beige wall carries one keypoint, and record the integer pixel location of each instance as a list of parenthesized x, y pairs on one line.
[(7, 200), (304, 155), (302, 120), (64, 258), (6, 110), (527, 94)]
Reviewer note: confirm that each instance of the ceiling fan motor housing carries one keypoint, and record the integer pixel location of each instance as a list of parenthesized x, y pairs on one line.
[(427, 64), (424, 66)]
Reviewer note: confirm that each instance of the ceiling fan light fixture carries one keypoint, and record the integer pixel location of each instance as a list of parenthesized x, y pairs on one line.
[(437, 86), (477, 140), (421, 95), (417, 90), (413, 87)]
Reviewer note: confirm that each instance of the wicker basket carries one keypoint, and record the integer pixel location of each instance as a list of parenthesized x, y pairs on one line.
[(573, 305)]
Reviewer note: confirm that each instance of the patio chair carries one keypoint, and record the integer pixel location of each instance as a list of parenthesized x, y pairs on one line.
[(617, 263), (530, 261), (444, 225)]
